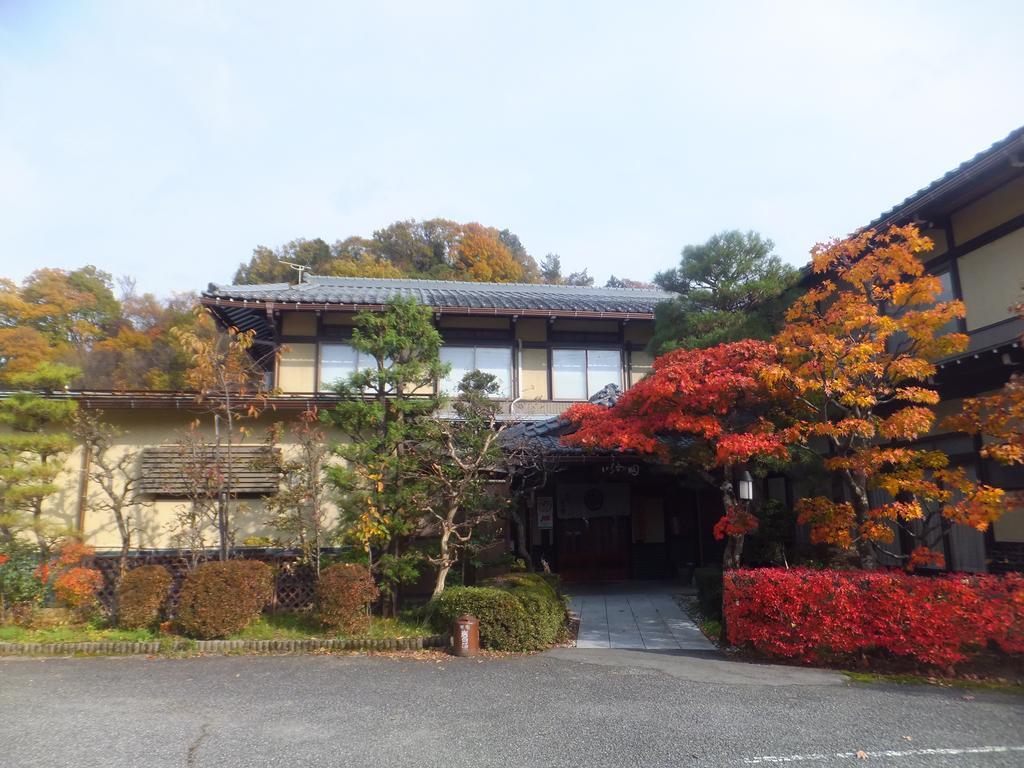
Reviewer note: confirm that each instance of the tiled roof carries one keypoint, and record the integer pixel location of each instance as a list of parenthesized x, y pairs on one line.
[(962, 173), (546, 435), (445, 293)]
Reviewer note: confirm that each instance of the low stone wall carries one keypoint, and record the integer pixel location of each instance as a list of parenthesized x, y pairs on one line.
[(222, 646)]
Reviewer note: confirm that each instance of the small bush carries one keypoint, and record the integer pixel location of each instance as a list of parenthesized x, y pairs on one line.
[(540, 599), (342, 594), (141, 596), (77, 587), (221, 598), (825, 615), (19, 585), (49, 618), (709, 591), (504, 624)]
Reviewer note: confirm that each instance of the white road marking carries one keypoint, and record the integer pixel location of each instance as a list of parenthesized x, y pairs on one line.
[(775, 759)]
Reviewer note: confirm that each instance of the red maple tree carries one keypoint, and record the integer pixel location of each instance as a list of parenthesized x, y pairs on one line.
[(717, 401)]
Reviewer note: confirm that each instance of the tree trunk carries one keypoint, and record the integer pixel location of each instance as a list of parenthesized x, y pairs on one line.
[(126, 545), (521, 548), (732, 557), (856, 483), (445, 558), (442, 576)]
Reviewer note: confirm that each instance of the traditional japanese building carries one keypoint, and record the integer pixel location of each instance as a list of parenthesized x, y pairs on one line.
[(587, 515), (975, 216)]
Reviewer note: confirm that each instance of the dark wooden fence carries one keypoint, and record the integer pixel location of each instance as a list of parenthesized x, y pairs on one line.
[(293, 582)]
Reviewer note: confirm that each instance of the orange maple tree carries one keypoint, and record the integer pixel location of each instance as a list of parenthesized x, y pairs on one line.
[(856, 353), (999, 418), (228, 380), (707, 409), (479, 254)]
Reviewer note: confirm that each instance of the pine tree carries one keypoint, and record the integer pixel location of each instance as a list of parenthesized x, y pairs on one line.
[(385, 410), (31, 452)]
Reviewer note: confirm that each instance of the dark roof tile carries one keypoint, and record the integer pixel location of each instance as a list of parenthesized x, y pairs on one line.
[(447, 293)]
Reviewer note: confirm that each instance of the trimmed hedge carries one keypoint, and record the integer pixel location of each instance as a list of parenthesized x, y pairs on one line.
[(517, 611), (141, 596), (540, 599), (342, 594), (220, 598), (504, 623), (709, 592), (826, 615)]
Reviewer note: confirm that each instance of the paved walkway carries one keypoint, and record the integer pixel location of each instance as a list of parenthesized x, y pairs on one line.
[(637, 616)]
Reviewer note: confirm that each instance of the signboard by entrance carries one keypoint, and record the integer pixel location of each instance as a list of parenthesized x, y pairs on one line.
[(545, 513)]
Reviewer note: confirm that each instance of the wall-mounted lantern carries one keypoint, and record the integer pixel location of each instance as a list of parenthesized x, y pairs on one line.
[(745, 486)]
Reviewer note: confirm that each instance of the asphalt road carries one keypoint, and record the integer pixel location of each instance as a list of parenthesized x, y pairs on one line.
[(562, 708)]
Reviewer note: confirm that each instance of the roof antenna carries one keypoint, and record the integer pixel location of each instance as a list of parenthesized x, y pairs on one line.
[(300, 268)]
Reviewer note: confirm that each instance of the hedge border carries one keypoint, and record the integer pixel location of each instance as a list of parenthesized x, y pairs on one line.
[(224, 646)]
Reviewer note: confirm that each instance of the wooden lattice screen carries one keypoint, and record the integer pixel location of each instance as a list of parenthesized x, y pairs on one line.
[(167, 470), (294, 584)]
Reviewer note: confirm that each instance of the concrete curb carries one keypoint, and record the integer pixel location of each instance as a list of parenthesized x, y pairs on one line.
[(223, 646)]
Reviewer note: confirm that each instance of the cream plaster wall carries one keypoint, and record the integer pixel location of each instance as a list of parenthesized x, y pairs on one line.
[(638, 331), (586, 326), (991, 278), (989, 211), (153, 520), (1010, 527), (298, 324), (532, 329), (476, 323), (938, 237)]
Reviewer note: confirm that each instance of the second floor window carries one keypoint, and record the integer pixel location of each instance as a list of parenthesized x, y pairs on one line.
[(577, 374), (338, 362), (496, 361)]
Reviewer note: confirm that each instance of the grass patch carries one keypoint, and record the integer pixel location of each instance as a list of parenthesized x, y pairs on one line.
[(1003, 686), (712, 629), (75, 634), (300, 626), (276, 626)]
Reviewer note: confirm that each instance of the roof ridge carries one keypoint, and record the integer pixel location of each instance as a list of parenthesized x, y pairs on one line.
[(467, 283)]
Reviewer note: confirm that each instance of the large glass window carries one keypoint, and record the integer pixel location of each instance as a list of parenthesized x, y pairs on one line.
[(338, 362), (577, 374), (496, 361)]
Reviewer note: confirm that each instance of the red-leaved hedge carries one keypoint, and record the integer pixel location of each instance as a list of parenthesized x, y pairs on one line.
[(818, 616)]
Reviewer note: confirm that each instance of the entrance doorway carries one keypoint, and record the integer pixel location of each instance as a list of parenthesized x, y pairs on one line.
[(592, 530), (594, 548)]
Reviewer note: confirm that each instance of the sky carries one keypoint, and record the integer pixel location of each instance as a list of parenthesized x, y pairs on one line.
[(165, 140)]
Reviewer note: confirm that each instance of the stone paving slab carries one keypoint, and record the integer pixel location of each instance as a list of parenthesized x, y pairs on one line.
[(634, 619)]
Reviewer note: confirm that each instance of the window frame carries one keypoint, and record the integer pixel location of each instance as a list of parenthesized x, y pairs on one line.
[(320, 387), (510, 384), (586, 369)]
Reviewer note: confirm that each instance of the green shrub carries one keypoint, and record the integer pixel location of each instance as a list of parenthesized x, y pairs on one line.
[(220, 598), (342, 594), (141, 596), (542, 602), (709, 591), (504, 624), (19, 585)]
